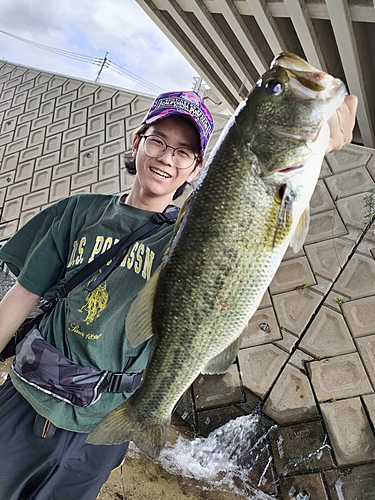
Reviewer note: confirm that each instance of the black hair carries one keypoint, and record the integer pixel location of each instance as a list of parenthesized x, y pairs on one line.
[(129, 161)]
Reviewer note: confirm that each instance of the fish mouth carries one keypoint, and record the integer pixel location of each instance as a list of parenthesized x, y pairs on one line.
[(160, 173), (290, 169)]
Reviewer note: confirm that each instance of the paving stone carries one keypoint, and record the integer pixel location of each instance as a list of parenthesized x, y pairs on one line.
[(325, 226), (252, 362), (369, 401), (213, 391), (312, 483), (352, 483), (328, 335), (358, 278), (366, 349), (261, 329), (339, 377), (348, 158), (294, 309), (266, 299), (349, 183), (301, 448), (352, 210), (328, 257), (288, 341), (360, 315), (108, 186), (299, 359), (209, 420), (109, 168), (291, 400), (291, 275), (349, 430)]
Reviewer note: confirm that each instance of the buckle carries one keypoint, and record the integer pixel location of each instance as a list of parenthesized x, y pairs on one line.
[(122, 382)]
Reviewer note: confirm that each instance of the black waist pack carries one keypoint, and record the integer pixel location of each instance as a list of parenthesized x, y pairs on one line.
[(43, 366), (26, 326)]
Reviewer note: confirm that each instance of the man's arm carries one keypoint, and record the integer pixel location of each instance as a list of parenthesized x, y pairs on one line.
[(341, 124), (15, 307)]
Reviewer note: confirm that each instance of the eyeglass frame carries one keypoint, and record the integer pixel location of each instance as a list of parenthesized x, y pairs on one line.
[(145, 136)]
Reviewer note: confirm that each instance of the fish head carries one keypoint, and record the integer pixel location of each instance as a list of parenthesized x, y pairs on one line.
[(288, 111)]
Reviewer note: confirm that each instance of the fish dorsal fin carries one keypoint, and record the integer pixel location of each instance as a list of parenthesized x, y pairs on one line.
[(300, 233), (223, 361), (138, 325)]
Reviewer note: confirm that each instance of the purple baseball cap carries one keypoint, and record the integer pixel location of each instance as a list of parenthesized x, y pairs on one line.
[(188, 104)]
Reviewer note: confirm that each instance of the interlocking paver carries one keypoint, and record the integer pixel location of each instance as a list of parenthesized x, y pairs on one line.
[(358, 279), (292, 274), (360, 315), (349, 430), (294, 309), (352, 483), (261, 329), (329, 256)]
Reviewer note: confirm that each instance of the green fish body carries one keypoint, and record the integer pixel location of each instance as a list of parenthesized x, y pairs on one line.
[(251, 202)]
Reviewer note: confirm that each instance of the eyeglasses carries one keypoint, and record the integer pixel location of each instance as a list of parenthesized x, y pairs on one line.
[(155, 147)]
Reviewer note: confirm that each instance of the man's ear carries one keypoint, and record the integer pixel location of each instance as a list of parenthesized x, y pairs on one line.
[(135, 144), (196, 171)]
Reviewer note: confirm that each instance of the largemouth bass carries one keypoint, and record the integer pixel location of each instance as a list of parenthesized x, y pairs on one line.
[(251, 202)]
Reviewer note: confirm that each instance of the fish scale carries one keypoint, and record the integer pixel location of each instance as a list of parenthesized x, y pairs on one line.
[(251, 200)]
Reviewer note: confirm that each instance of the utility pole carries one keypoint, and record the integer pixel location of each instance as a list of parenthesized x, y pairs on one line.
[(101, 67)]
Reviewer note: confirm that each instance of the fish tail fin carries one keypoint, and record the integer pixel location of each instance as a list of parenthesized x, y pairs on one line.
[(123, 424)]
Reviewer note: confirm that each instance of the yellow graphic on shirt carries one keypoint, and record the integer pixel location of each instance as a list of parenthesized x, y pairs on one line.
[(96, 302)]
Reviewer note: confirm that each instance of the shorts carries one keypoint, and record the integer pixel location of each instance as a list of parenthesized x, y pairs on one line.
[(58, 466)]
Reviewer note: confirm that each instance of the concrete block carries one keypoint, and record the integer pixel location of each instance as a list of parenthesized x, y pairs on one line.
[(7, 95), (8, 125), (87, 89), (25, 170), (349, 183), (349, 430), (321, 199), (43, 121), (27, 215), (11, 210), (351, 483), (8, 229), (120, 114), (4, 106), (328, 335), (30, 153), (261, 329), (218, 390), (352, 210), (4, 79), (95, 124), (35, 200), (13, 82), (69, 150), (92, 140), (366, 349), (18, 71), (339, 377), (287, 342), (66, 98), (101, 107), (23, 87), (6, 138), (360, 316), (126, 180), (9, 162), (313, 483), (56, 81), (324, 226), (59, 189), (37, 136), (71, 85), (58, 127), (115, 130), (112, 148), (300, 448), (78, 118), (109, 168), (33, 103), (84, 178), (15, 146), (47, 161), (52, 143), (108, 186), (88, 159), (42, 78), (84, 102), (18, 190), (19, 99), (14, 111), (252, 362), (327, 258), (348, 158), (358, 278), (7, 179), (41, 179), (40, 89), (62, 112), (74, 133), (52, 94), (291, 400), (141, 104), (295, 309), (22, 131), (65, 169), (30, 74), (2, 197), (291, 275), (369, 402), (47, 108), (122, 98), (28, 117), (103, 94)]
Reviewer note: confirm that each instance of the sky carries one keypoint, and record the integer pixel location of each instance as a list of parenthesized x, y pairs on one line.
[(72, 37)]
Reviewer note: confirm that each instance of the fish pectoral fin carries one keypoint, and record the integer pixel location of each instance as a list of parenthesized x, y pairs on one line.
[(300, 233), (223, 361), (138, 324)]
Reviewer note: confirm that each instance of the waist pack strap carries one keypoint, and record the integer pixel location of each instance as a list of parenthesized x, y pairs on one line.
[(121, 382)]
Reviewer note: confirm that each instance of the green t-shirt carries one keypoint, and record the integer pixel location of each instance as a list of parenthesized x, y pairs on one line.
[(88, 328)]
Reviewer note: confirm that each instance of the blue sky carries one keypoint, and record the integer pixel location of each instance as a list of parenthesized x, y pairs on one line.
[(87, 29)]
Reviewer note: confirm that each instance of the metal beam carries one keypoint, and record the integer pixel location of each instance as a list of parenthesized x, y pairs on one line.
[(339, 14), (259, 9)]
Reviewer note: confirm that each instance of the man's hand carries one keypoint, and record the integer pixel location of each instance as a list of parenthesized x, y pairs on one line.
[(341, 124)]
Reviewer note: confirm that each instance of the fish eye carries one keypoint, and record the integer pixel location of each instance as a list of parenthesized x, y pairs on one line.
[(274, 87)]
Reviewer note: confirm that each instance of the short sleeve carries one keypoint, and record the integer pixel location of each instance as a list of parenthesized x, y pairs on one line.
[(37, 253)]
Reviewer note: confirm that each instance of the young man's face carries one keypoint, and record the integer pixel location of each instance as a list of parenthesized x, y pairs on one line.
[(159, 176)]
